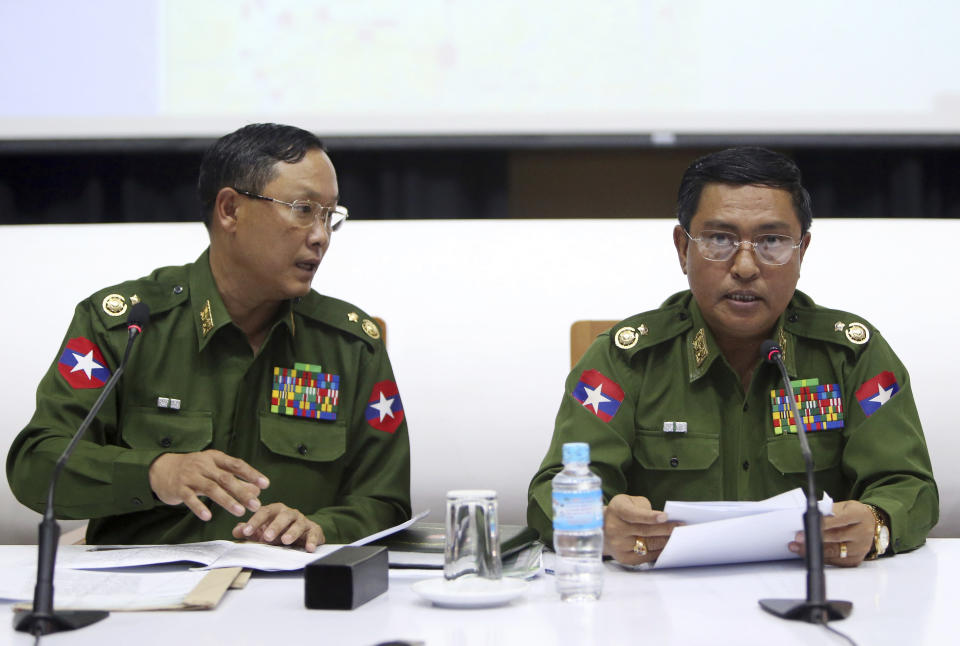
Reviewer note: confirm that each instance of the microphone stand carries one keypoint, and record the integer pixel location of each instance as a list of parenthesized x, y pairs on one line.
[(815, 609), (42, 620)]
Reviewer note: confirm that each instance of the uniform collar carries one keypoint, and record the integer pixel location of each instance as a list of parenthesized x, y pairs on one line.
[(702, 349), (209, 313), (786, 340)]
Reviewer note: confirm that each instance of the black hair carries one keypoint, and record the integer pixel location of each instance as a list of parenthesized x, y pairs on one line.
[(742, 166), (246, 158)]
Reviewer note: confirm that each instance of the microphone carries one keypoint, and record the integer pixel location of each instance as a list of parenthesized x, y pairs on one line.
[(42, 620), (815, 609)]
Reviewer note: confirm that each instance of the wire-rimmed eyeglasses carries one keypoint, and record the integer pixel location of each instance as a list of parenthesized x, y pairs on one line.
[(306, 213), (770, 248)]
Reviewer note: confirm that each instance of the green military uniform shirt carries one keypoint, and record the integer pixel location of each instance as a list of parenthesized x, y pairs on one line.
[(677, 425), (194, 383)]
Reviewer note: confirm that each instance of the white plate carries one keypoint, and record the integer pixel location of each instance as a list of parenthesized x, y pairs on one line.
[(470, 592)]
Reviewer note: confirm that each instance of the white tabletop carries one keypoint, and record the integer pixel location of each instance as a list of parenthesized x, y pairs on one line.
[(909, 599)]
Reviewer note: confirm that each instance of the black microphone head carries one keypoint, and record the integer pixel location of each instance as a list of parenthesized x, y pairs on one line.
[(139, 316), (770, 350)]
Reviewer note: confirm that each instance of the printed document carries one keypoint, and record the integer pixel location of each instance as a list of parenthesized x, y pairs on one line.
[(735, 532)]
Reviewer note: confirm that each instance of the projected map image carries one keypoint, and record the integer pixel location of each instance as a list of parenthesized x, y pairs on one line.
[(381, 67)]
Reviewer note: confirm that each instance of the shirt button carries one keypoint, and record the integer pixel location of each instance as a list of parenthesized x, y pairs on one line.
[(166, 442), (178, 289), (674, 461), (302, 449), (794, 317), (136, 501), (746, 465), (682, 316)]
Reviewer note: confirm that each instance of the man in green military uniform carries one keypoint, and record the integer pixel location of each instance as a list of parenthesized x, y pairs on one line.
[(677, 403), (249, 393)]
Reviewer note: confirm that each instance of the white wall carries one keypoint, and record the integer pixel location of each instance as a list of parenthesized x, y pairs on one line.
[(478, 316)]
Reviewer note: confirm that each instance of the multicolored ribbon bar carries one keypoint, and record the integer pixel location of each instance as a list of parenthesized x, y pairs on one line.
[(821, 407)]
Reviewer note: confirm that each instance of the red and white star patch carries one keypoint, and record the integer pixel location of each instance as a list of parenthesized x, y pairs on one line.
[(83, 365), (592, 392), (877, 391), (384, 408)]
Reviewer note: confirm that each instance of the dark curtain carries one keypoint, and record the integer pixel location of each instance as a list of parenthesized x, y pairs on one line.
[(155, 186), (161, 187)]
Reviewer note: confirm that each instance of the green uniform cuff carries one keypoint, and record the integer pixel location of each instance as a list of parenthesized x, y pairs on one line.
[(131, 481), (331, 534), (897, 516)]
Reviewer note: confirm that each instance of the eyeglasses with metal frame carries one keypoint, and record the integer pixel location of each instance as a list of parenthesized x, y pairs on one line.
[(306, 213), (770, 248)]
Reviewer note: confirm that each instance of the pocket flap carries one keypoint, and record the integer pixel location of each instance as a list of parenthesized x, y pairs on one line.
[(676, 451), (176, 431), (304, 439), (785, 455)]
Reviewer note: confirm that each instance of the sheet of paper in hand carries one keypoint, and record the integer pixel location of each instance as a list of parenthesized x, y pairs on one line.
[(735, 532)]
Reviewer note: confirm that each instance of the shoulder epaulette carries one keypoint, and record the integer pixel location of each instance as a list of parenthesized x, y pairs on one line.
[(341, 315), (832, 326), (162, 290), (648, 329)]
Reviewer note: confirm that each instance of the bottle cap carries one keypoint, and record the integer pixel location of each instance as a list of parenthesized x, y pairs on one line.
[(576, 452)]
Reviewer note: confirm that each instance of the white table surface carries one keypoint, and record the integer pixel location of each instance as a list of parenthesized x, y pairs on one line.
[(911, 599)]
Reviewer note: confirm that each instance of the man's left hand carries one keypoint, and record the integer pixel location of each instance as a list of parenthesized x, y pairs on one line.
[(276, 523), (851, 527)]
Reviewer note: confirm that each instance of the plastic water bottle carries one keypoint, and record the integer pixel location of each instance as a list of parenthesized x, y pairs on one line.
[(578, 526)]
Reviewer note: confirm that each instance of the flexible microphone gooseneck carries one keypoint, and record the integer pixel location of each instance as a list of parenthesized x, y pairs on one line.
[(42, 620), (815, 609)]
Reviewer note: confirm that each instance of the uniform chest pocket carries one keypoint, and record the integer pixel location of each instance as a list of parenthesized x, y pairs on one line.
[(675, 451), (175, 431), (302, 438), (785, 455)]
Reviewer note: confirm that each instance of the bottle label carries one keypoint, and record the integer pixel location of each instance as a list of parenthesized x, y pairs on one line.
[(577, 510)]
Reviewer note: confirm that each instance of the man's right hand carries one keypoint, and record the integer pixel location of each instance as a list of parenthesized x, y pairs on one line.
[(628, 518), (229, 482)]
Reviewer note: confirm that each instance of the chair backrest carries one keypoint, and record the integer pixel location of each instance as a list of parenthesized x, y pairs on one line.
[(582, 334), (383, 329)]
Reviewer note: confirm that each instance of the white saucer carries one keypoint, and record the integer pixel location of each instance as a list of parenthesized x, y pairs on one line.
[(470, 592)]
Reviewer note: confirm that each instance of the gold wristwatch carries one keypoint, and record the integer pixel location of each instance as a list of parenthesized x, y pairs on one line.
[(881, 534)]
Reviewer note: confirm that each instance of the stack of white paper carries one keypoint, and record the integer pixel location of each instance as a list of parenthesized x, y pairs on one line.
[(735, 532)]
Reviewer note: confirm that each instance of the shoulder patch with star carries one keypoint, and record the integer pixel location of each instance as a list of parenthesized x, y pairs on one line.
[(599, 394), (384, 409), (877, 391), (82, 364)]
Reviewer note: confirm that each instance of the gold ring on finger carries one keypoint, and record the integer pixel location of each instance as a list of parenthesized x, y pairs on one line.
[(640, 547), (843, 550)]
